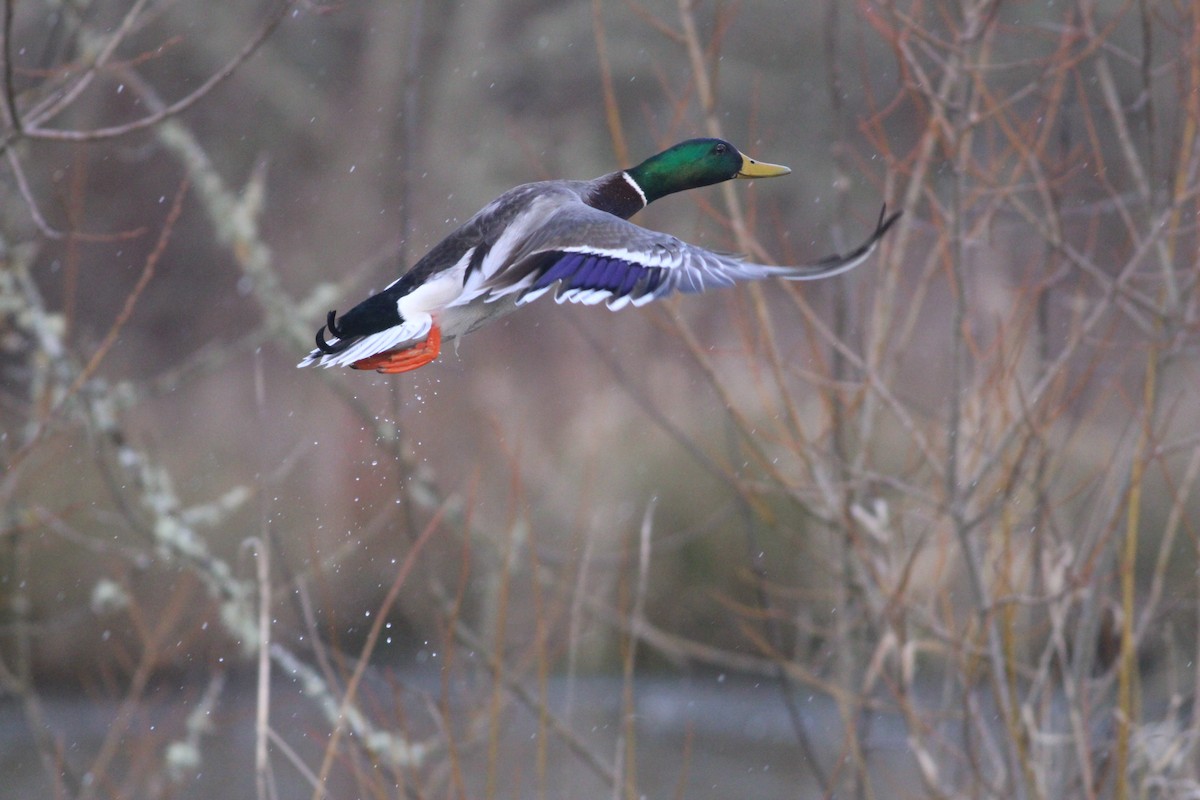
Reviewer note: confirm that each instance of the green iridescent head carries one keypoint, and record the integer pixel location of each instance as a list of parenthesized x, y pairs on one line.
[(696, 163)]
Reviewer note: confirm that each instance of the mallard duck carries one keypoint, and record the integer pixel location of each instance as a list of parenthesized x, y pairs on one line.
[(571, 238)]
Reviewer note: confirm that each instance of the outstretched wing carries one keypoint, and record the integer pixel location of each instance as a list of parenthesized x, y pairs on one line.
[(588, 256)]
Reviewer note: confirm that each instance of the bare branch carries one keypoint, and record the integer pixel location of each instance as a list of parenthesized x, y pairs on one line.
[(10, 92), (34, 127)]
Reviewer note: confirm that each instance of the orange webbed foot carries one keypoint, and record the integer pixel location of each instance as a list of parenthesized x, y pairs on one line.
[(406, 360)]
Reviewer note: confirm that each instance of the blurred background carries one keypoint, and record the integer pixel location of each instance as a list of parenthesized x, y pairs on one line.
[(925, 529)]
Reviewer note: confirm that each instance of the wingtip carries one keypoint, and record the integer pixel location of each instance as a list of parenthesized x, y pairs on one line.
[(833, 265), (881, 227)]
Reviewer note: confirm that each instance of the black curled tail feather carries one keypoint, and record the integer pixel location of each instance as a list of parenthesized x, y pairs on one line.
[(336, 329), (377, 313)]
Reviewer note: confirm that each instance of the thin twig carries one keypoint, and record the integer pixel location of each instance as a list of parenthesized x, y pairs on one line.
[(626, 757), (263, 777), (49, 108), (149, 268), (10, 92), (34, 130), (364, 658)]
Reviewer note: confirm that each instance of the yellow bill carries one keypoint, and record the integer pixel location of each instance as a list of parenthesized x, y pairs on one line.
[(760, 169)]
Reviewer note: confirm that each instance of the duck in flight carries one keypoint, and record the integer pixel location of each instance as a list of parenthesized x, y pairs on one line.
[(569, 238)]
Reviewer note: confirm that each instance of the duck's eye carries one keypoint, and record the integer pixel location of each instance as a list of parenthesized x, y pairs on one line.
[(720, 148)]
